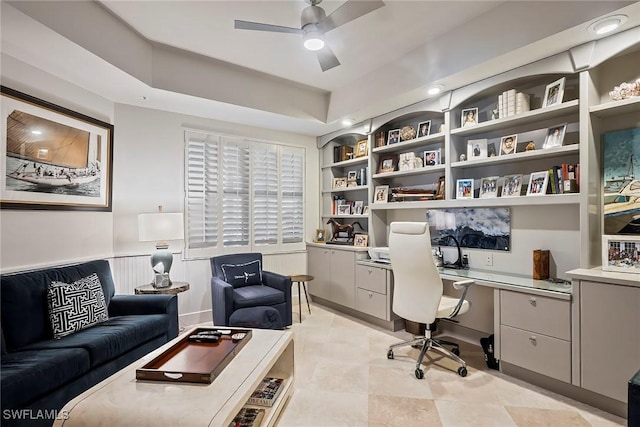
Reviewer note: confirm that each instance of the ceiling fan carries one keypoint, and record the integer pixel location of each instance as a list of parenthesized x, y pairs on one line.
[(315, 23)]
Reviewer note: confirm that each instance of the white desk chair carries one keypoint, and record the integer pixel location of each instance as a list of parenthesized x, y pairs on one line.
[(417, 291)]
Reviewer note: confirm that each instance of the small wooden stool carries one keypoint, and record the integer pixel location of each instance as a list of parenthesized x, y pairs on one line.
[(302, 278)]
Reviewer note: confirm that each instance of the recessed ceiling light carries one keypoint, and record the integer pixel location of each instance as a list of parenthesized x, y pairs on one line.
[(608, 24), (36, 132), (347, 122), (434, 90)]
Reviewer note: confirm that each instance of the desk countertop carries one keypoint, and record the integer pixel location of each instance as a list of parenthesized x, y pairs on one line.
[(598, 275), (497, 279)]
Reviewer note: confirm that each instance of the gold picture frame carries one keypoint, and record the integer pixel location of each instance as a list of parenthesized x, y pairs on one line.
[(362, 148), (320, 236)]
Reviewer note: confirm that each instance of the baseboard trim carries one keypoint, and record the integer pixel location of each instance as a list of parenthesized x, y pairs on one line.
[(195, 318), (392, 325), (596, 400)]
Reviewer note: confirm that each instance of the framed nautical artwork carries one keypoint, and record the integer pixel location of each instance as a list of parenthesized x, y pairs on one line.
[(53, 157)]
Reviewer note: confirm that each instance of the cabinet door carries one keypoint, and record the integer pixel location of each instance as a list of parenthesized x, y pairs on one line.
[(318, 265), (342, 283), (610, 337)]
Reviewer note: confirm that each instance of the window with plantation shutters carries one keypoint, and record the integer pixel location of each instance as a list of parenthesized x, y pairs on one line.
[(242, 195), (292, 190)]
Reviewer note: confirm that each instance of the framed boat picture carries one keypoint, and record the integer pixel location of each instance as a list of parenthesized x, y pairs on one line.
[(53, 157)]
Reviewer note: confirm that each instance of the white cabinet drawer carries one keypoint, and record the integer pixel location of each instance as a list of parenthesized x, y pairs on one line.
[(371, 278), (539, 353), (543, 315), (372, 303)]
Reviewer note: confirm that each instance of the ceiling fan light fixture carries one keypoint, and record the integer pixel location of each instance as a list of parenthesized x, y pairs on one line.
[(313, 40)]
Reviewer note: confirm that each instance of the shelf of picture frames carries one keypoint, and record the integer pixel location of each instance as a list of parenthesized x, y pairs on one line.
[(532, 116), (404, 145), (520, 156), (346, 163), (416, 171), (549, 199)]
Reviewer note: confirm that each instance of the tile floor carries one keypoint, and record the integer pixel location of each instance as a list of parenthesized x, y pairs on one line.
[(344, 379)]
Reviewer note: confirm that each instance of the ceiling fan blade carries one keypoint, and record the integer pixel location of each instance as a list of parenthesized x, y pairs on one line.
[(349, 11), (257, 26), (327, 59)]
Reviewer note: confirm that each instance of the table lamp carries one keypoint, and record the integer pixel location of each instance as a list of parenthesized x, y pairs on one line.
[(160, 227)]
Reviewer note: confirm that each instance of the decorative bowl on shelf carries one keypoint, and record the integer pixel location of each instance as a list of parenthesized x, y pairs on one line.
[(407, 132)]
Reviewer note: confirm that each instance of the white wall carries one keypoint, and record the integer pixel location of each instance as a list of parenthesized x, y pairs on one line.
[(41, 238), (148, 170)]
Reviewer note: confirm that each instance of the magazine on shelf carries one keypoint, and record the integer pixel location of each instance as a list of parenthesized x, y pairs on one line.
[(248, 417), (267, 392)]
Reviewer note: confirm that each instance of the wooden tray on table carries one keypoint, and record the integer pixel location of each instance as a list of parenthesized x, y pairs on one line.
[(195, 362)]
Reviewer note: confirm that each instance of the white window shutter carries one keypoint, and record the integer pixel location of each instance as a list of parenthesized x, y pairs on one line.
[(235, 166), (201, 191), (292, 191), (265, 194)]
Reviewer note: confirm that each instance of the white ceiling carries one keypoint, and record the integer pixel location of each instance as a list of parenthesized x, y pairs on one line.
[(388, 56)]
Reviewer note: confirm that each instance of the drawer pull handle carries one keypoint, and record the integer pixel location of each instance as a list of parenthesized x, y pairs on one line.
[(533, 340), (533, 301)]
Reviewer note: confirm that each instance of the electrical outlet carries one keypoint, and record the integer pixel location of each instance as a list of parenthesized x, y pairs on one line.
[(488, 260)]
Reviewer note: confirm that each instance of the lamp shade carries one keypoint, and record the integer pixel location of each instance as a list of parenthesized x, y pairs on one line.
[(154, 227)]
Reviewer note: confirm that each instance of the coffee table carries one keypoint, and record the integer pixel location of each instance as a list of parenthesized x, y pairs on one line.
[(121, 400)]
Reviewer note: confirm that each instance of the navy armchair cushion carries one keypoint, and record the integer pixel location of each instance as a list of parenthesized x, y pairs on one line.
[(243, 274)]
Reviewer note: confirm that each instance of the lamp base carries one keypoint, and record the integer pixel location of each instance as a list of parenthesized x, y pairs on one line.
[(162, 256), (161, 281)]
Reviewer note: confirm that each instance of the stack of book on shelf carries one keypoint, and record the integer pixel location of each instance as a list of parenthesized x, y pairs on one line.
[(412, 194), (564, 178), (512, 102), (264, 395)]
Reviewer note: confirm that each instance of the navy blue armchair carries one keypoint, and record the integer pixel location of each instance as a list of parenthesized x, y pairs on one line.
[(238, 281)]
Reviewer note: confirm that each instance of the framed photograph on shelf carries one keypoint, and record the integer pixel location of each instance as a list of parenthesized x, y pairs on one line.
[(621, 253), (555, 136), (381, 195), (365, 211), (361, 240), (387, 163), (357, 207), (440, 189), (476, 149), (508, 144), (380, 141), (53, 158), (361, 148), (344, 209), (320, 236), (464, 189), (512, 186), (352, 175), (538, 183), (339, 183), (489, 187), (553, 93), (432, 158), (424, 128), (491, 150), (393, 137), (469, 117)]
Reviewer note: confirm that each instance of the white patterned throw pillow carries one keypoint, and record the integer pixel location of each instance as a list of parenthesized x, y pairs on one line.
[(76, 306)]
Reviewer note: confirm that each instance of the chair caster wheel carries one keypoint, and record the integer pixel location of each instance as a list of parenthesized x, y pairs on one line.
[(462, 371), (420, 373), (456, 351), (390, 354)]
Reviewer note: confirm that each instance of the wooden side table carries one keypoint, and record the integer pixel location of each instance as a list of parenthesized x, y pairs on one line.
[(174, 289), (302, 278)]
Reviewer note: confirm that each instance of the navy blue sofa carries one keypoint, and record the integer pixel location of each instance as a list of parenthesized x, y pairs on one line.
[(40, 374)]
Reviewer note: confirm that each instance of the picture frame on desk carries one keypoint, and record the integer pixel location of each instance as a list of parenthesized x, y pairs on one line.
[(553, 93), (361, 240), (621, 253), (320, 236)]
